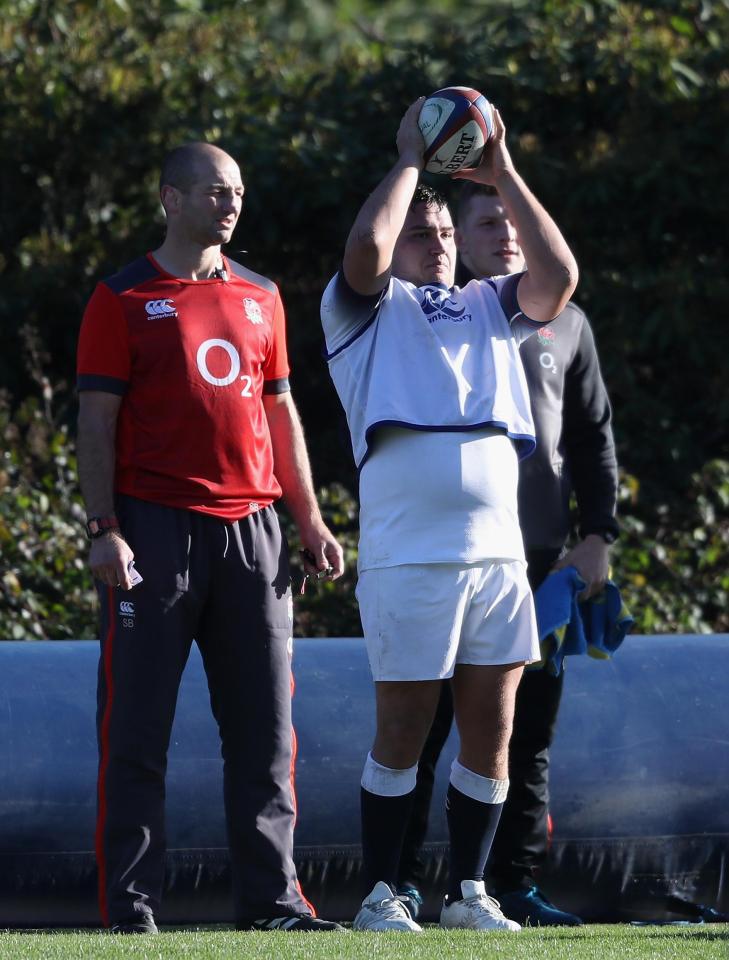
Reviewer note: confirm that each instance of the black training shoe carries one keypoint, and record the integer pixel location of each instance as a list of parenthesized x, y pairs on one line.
[(300, 923), (530, 907), (143, 924)]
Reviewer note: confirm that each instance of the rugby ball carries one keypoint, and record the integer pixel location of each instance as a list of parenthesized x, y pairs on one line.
[(456, 124)]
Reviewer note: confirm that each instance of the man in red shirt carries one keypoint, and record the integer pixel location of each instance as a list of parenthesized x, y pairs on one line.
[(187, 436)]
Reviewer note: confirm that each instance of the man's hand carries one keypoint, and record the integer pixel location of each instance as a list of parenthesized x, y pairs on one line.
[(496, 159), (590, 558), (318, 542), (410, 143), (109, 560)]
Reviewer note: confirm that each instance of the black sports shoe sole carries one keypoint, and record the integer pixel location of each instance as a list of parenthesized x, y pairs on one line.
[(134, 928)]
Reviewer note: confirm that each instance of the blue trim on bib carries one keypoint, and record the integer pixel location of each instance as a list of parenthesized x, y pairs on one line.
[(355, 336), (524, 444)]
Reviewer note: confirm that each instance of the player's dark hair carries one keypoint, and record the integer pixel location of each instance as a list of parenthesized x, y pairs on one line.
[(429, 196), (468, 191), (179, 167)]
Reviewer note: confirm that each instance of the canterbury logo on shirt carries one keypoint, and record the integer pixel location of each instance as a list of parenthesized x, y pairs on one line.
[(439, 305), (160, 308)]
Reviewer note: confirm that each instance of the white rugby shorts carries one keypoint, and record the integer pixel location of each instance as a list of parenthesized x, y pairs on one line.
[(420, 620)]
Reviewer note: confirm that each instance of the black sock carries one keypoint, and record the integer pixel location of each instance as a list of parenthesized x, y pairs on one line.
[(471, 825), (384, 821)]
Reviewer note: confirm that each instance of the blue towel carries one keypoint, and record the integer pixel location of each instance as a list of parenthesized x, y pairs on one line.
[(596, 626)]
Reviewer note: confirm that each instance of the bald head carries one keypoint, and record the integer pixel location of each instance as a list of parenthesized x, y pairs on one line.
[(184, 165), (201, 190)]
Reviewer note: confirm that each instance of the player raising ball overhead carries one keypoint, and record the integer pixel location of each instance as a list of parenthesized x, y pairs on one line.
[(435, 395)]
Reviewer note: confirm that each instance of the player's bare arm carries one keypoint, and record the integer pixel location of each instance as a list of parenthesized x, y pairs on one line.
[(371, 241), (552, 271), (293, 472), (110, 554)]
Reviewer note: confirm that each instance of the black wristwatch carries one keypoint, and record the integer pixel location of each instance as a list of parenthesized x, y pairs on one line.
[(609, 536), (97, 526)]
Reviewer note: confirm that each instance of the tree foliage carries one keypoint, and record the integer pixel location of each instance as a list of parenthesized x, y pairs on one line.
[(617, 114)]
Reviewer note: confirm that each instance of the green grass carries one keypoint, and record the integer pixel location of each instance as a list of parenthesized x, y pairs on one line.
[(696, 942)]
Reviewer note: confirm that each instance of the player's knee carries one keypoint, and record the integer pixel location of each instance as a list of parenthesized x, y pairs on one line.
[(404, 717), (399, 740)]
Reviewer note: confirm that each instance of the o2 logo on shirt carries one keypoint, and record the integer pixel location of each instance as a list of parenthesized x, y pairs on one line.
[(546, 361), (233, 373)]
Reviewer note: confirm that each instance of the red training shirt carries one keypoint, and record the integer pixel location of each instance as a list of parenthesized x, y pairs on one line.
[(191, 360)]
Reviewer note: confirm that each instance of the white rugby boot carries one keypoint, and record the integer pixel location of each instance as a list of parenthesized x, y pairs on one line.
[(381, 910), (477, 911)]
